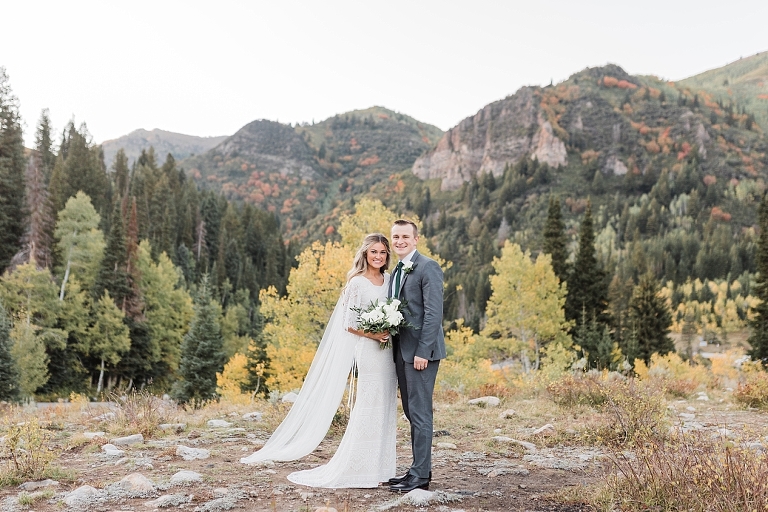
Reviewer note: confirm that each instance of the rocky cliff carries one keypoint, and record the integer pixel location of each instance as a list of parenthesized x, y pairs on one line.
[(500, 134)]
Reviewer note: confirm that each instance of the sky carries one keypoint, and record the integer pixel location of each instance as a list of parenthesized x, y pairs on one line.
[(208, 68)]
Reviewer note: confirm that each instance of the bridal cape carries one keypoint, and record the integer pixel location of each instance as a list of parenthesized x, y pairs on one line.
[(308, 421)]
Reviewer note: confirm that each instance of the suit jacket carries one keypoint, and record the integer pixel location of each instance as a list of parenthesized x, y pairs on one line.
[(422, 288)]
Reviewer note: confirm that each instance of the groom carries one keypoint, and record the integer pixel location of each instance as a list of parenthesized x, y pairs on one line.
[(417, 350)]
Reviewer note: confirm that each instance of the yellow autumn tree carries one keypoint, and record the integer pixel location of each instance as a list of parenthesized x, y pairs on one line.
[(525, 312), (230, 381), (462, 370)]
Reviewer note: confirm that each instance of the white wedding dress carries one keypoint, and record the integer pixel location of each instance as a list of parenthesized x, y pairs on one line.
[(366, 455)]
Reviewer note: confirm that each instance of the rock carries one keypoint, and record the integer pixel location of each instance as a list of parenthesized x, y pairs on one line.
[(188, 453), (169, 500), (136, 482), (725, 432), (112, 450), (219, 424), (80, 495), (545, 431), (446, 446), (687, 416), (690, 409), (91, 435), (507, 414), (289, 397), (31, 486), (252, 416), (107, 416), (128, 440), (528, 446), (234, 414), (703, 397), (485, 401), (178, 427), (326, 509), (755, 446), (186, 476), (220, 491)]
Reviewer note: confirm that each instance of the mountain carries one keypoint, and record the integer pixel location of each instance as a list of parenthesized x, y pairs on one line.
[(624, 123), (743, 83), (177, 144), (301, 173)]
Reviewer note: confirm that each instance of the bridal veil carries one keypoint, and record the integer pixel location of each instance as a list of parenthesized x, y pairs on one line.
[(308, 421)]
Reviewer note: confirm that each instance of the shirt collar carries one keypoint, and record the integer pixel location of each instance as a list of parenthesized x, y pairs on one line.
[(408, 257)]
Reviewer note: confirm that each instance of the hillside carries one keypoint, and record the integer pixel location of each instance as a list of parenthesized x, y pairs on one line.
[(164, 142), (303, 172), (744, 83), (674, 178)]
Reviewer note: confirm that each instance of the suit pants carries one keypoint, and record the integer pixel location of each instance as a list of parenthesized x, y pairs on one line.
[(416, 388)]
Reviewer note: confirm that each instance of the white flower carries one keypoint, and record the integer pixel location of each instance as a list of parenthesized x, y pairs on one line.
[(395, 302), (394, 318), (407, 266)]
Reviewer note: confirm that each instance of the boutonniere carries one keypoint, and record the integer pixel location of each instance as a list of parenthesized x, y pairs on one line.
[(408, 266)]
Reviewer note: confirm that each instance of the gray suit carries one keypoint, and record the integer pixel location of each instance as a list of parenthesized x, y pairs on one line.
[(422, 288)]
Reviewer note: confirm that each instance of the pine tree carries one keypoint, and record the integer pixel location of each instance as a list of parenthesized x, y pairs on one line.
[(12, 165), (651, 320), (202, 353), (9, 373), (36, 242), (112, 271), (758, 339), (587, 282), (44, 144), (555, 242)]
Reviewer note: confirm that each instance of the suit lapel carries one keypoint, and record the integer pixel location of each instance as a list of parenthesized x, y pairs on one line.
[(414, 260)]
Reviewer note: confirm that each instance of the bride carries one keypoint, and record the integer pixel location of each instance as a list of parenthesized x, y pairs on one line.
[(366, 454)]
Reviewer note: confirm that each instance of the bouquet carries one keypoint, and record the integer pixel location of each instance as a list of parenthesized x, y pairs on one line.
[(380, 317)]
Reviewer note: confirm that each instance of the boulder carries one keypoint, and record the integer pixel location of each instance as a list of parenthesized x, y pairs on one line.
[(127, 440), (545, 431), (188, 453), (80, 495), (219, 424), (525, 444), (507, 414), (186, 476), (91, 435), (446, 446), (252, 416), (485, 401), (289, 397), (33, 486), (136, 482), (112, 450)]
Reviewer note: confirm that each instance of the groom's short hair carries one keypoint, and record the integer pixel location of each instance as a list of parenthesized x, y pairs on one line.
[(404, 222)]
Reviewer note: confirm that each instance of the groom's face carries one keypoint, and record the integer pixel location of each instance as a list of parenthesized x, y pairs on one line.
[(403, 240)]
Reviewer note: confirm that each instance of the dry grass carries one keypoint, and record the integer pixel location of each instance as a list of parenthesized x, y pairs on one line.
[(140, 412), (692, 472)]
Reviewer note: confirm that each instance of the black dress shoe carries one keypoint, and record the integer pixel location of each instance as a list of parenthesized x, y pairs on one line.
[(396, 480), (410, 483)]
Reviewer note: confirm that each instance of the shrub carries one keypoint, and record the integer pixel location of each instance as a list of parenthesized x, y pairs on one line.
[(28, 453), (139, 412), (692, 472), (578, 389), (679, 378), (753, 390)]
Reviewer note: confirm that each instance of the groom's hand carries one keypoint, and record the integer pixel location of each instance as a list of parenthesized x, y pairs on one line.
[(419, 363)]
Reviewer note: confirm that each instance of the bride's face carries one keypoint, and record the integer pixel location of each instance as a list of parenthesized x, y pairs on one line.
[(376, 255)]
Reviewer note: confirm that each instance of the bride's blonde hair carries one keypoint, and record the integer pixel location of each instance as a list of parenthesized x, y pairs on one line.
[(360, 263)]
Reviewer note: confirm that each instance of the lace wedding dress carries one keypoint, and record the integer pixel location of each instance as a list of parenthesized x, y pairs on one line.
[(366, 455)]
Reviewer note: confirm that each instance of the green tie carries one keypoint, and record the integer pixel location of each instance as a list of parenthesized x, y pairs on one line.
[(398, 273)]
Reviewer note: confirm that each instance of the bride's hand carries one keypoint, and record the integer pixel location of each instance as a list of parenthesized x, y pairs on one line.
[(381, 337)]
